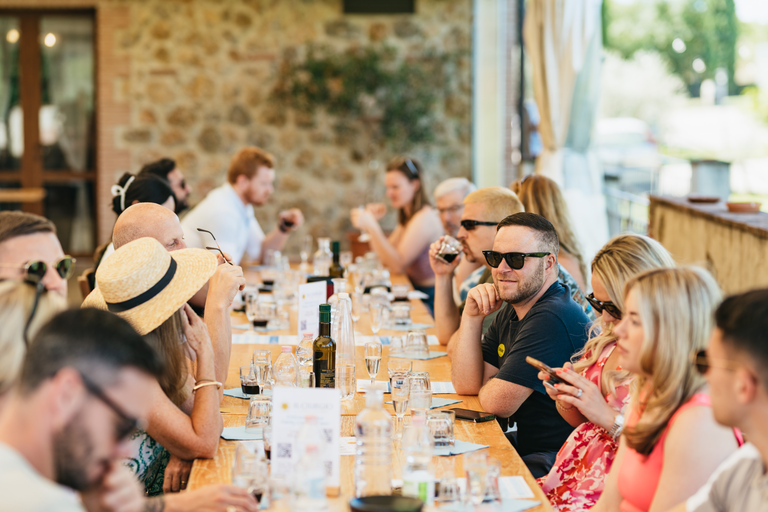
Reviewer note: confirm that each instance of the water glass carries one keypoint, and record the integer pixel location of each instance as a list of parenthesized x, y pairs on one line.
[(345, 378), (400, 384), (249, 380), (250, 471), (401, 313), (476, 468), (441, 424), (398, 366), (259, 413), (400, 292), (262, 362), (417, 344), (345, 259), (492, 492), (420, 380), (373, 359), (420, 399), (357, 305), (396, 345)]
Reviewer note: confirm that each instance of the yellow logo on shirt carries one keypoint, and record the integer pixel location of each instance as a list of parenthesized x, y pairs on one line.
[(502, 348)]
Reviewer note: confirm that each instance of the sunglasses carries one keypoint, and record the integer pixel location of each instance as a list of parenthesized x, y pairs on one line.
[(217, 248), (34, 271), (469, 225), (515, 260), (702, 363), (127, 424), (609, 306)]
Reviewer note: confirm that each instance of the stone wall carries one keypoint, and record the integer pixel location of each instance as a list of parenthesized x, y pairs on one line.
[(199, 88)]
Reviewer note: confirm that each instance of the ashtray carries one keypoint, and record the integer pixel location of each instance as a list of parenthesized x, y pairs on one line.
[(745, 207), (386, 504), (703, 199)]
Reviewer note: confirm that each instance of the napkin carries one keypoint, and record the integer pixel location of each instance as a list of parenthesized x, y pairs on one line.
[(239, 434), (513, 487), (409, 327), (458, 448), (442, 388), (433, 354), (238, 393), (440, 402)]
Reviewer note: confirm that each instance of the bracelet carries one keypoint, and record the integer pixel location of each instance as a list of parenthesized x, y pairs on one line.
[(206, 382), (282, 228), (618, 426), (562, 407)]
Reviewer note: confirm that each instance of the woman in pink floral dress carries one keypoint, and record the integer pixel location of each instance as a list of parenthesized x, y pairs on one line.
[(595, 390)]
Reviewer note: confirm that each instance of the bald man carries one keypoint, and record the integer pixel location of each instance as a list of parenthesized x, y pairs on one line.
[(149, 220)]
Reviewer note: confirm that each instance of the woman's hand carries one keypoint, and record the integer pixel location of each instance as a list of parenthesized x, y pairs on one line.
[(583, 393), (362, 219), (548, 387), (196, 332)]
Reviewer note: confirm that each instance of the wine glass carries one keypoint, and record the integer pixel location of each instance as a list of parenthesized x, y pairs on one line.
[(357, 306), (251, 472), (364, 237), (377, 317), (306, 249), (401, 389), (251, 308), (372, 359)]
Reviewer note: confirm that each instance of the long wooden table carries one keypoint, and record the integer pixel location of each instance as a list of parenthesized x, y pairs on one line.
[(234, 411)]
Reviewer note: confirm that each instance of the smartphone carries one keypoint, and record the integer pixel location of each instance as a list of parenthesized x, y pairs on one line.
[(553, 378), (476, 416)]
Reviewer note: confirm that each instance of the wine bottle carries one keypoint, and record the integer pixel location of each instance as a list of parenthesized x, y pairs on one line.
[(324, 352), (335, 270)]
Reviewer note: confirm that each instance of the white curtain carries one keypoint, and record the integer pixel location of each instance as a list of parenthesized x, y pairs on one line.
[(564, 44)]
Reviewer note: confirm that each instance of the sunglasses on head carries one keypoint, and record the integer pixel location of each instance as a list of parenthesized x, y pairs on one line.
[(127, 424), (469, 225), (515, 260), (599, 306), (702, 363)]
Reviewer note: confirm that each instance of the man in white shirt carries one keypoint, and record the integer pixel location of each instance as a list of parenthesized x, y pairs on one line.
[(227, 211), (67, 424), (736, 368)]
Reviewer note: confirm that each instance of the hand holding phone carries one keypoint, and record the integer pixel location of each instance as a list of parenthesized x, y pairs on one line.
[(553, 378)]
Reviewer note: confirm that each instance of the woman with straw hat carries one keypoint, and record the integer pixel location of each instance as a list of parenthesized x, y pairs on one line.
[(149, 287)]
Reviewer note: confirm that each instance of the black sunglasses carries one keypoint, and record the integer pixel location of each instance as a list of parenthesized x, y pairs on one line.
[(217, 248), (609, 306), (702, 363), (34, 271), (515, 260), (127, 425), (469, 225)]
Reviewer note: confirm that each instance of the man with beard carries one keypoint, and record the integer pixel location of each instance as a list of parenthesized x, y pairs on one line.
[(542, 322), (166, 169), (227, 211), (70, 419)]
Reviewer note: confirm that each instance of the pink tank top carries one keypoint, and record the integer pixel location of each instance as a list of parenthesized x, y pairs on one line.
[(639, 475)]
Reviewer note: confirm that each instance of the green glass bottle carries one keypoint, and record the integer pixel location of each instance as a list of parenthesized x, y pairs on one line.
[(324, 352), (335, 270)]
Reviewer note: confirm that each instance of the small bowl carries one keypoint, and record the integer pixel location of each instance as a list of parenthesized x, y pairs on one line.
[(386, 504), (745, 207)]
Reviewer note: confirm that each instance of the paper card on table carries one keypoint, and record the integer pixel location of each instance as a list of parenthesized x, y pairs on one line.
[(240, 434), (311, 295), (348, 445), (290, 407), (249, 338), (364, 384), (443, 388), (458, 448), (433, 354), (238, 393), (410, 327), (514, 487), (439, 402), (417, 294)]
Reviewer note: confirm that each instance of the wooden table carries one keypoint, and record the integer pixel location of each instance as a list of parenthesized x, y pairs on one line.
[(234, 410)]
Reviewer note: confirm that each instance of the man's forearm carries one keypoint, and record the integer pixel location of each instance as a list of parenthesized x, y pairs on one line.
[(447, 317), (467, 376), (220, 331)]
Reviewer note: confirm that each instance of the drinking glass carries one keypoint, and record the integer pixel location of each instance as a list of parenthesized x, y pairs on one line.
[(449, 249), (492, 492), (262, 362), (421, 393), (306, 248), (345, 259), (251, 472), (357, 306), (259, 413), (249, 381), (449, 490), (396, 345), (347, 381), (476, 468), (267, 436), (377, 316), (400, 384), (395, 365), (441, 427), (364, 237), (372, 359), (251, 307), (400, 292), (417, 344), (401, 313)]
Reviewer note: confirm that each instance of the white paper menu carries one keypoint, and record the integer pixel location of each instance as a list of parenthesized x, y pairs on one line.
[(290, 406), (311, 295)]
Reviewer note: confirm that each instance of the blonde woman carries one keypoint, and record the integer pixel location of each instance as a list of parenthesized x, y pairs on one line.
[(576, 480), (17, 300), (541, 195), (406, 250), (671, 443)]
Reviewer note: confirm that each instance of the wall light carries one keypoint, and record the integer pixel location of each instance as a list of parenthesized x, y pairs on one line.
[(49, 40), (12, 36)]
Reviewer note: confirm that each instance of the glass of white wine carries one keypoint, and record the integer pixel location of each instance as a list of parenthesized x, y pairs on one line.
[(377, 317), (372, 359), (401, 389)]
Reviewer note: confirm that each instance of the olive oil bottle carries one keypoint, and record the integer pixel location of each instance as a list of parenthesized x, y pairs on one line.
[(324, 352)]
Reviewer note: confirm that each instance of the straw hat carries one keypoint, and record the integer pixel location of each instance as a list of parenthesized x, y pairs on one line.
[(145, 284)]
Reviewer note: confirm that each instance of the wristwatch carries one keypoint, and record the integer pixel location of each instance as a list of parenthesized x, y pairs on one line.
[(618, 426)]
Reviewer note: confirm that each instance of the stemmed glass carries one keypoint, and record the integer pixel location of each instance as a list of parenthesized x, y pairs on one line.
[(251, 472), (357, 306), (364, 237), (401, 388), (377, 317), (306, 250), (373, 359)]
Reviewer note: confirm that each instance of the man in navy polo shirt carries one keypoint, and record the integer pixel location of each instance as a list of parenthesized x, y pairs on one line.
[(543, 323)]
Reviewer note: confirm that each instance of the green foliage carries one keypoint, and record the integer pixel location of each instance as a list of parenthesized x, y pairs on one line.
[(367, 84), (708, 28)]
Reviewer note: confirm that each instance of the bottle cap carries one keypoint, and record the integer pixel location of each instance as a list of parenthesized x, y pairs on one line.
[(286, 349), (308, 335), (325, 313), (335, 246)]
